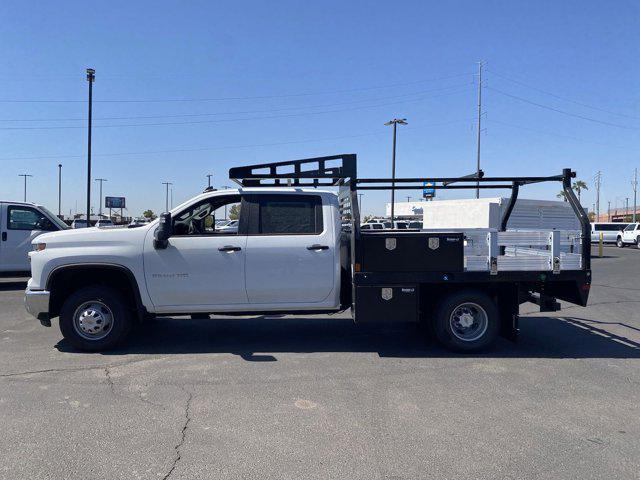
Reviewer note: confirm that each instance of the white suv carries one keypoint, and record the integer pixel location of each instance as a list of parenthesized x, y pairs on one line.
[(629, 236)]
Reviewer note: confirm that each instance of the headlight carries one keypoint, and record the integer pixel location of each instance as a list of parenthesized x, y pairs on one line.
[(38, 247)]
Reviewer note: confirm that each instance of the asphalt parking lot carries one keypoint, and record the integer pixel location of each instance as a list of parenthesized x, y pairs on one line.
[(305, 397)]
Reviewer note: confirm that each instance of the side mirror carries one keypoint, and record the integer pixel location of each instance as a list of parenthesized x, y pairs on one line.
[(163, 232)]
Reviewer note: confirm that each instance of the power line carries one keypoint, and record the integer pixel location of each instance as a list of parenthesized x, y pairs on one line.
[(267, 117), (227, 147), (557, 110), (558, 135), (257, 97), (270, 110), (575, 102)]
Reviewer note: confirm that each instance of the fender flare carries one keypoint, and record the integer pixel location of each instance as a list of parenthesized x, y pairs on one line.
[(141, 310)]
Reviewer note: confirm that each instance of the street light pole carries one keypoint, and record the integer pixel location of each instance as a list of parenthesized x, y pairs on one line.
[(25, 175), (635, 190), (166, 200), (225, 205), (91, 76), (59, 190), (394, 122), (479, 126), (100, 197)]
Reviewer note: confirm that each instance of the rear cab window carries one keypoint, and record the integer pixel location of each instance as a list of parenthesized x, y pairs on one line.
[(286, 214)]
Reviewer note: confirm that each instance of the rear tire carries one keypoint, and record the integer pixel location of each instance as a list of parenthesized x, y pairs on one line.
[(467, 321), (638, 242), (95, 318), (620, 243)]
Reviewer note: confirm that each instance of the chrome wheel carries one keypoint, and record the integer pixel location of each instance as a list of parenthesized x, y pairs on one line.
[(93, 320), (468, 321)]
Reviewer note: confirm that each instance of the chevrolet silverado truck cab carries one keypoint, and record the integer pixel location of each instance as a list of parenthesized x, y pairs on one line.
[(299, 249)]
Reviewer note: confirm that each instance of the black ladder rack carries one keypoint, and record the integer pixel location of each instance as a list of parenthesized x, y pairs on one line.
[(323, 172), (307, 172)]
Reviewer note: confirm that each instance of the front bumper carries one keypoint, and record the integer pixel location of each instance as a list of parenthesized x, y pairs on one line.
[(36, 303)]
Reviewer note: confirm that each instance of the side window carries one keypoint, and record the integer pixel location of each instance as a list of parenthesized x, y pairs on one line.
[(213, 216), (27, 218), (290, 215)]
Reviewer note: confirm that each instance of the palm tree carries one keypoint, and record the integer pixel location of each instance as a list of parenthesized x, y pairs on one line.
[(562, 195), (578, 186)]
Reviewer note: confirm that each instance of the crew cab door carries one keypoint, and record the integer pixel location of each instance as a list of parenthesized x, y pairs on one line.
[(20, 225), (202, 268), (630, 233), (291, 250)]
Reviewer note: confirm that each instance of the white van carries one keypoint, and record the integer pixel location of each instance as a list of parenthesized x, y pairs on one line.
[(610, 231), (20, 223)]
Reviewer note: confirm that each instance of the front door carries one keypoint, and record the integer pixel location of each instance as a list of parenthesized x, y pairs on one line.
[(290, 250), (21, 224), (202, 268)]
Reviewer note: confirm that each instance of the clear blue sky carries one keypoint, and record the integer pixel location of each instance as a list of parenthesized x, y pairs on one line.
[(329, 74)]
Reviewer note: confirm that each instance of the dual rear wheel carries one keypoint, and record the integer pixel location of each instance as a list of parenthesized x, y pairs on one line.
[(466, 321)]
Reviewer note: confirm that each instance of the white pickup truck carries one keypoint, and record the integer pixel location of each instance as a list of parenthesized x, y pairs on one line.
[(298, 249), (20, 224), (629, 236)]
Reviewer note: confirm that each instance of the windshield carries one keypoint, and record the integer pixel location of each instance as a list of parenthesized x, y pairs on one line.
[(628, 228), (55, 219)]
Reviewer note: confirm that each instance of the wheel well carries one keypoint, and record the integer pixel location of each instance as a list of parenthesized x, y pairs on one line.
[(65, 280)]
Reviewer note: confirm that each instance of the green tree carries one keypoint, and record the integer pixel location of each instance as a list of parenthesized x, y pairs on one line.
[(562, 195), (149, 214), (234, 212), (578, 186)]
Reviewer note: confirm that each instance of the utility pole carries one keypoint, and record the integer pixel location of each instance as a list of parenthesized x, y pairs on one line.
[(91, 76), (635, 189), (25, 175), (100, 197), (394, 122), (626, 209), (59, 190), (408, 199), (166, 198), (479, 126), (171, 198), (598, 180), (609, 211), (209, 179)]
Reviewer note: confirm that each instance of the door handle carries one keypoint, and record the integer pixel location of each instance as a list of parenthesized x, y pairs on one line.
[(4, 236), (316, 246), (229, 248)]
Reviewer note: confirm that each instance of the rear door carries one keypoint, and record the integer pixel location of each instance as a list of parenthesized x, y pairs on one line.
[(291, 252), (21, 224)]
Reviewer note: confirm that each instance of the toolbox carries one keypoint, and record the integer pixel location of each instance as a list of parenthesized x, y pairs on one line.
[(412, 252)]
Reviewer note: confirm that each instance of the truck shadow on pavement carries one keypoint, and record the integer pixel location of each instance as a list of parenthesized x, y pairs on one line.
[(260, 339)]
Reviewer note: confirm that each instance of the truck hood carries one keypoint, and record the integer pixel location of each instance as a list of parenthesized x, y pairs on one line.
[(93, 235)]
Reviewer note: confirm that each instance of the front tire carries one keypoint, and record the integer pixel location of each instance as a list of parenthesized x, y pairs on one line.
[(95, 318), (467, 321), (620, 243), (638, 242)]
